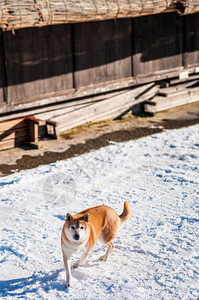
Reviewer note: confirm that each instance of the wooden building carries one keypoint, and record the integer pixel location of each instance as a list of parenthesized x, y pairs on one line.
[(61, 52)]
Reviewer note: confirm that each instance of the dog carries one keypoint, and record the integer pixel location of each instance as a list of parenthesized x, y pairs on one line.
[(81, 231)]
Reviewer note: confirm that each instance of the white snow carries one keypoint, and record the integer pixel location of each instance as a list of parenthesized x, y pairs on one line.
[(156, 253)]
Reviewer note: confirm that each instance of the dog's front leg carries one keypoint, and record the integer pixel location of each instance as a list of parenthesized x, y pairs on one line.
[(82, 259), (68, 271)]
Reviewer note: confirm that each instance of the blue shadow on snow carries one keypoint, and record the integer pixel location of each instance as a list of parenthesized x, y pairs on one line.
[(26, 285)]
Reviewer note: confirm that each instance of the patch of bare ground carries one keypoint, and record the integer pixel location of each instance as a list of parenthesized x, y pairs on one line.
[(93, 136)]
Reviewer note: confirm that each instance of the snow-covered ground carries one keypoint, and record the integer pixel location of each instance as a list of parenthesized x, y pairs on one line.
[(156, 253)]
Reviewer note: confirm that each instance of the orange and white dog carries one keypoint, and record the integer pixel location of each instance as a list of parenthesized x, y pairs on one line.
[(81, 231)]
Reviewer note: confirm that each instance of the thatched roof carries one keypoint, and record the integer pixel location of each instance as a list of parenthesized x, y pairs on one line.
[(16, 14), (190, 6)]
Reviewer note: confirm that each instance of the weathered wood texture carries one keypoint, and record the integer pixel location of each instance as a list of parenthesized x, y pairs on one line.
[(191, 42), (2, 99), (38, 61), (103, 52), (173, 97), (30, 13), (45, 112), (104, 109), (157, 47), (64, 62), (1, 88)]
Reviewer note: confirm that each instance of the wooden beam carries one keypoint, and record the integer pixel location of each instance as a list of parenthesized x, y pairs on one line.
[(46, 112), (161, 103), (51, 129), (177, 89), (99, 110), (145, 95)]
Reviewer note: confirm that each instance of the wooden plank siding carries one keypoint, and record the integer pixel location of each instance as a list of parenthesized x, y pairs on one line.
[(1, 88), (191, 40), (69, 59), (38, 61), (157, 44), (103, 52), (2, 74)]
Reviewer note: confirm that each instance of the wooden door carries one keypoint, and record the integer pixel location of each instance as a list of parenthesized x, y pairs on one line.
[(38, 61), (103, 52), (157, 44)]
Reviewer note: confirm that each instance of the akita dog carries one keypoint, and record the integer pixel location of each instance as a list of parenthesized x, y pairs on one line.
[(81, 231)]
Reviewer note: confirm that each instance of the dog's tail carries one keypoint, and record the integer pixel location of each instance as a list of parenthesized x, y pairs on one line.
[(126, 214)]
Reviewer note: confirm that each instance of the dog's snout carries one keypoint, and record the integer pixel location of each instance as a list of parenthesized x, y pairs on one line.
[(76, 237)]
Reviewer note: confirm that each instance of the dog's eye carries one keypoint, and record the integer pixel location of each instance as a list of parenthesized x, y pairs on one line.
[(81, 227), (72, 227)]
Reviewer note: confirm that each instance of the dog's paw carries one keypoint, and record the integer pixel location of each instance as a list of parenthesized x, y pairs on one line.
[(67, 285), (103, 258)]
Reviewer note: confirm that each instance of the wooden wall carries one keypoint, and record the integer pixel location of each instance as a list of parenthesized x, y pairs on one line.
[(191, 40), (1, 92), (157, 44), (39, 61), (2, 98), (66, 59), (103, 52)]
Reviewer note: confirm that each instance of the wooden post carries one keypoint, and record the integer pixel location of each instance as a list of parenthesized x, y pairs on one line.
[(33, 128), (51, 129)]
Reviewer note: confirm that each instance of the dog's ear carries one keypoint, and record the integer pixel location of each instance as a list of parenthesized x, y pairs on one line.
[(85, 217), (69, 217)]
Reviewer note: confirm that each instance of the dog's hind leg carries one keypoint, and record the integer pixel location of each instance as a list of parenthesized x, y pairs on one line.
[(108, 252), (106, 237)]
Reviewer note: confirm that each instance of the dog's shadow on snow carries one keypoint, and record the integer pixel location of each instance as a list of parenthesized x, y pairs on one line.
[(46, 281), (43, 280), (31, 284)]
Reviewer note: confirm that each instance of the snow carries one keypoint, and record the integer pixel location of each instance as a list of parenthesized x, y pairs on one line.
[(156, 254)]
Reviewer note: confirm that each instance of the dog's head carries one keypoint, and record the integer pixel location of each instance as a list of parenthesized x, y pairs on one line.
[(77, 229)]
